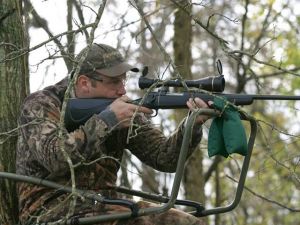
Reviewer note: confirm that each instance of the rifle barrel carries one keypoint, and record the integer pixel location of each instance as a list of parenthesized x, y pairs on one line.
[(276, 97), (245, 99)]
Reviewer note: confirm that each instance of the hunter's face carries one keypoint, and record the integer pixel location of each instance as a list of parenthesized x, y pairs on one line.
[(101, 86)]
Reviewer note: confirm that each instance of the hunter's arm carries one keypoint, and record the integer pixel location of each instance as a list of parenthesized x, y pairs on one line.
[(152, 147)]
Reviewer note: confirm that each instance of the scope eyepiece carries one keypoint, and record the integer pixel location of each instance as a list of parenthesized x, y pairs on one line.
[(213, 83)]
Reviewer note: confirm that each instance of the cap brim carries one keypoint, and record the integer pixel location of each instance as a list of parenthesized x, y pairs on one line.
[(117, 70)]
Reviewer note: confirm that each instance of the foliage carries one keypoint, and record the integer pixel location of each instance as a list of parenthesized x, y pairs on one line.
[(258, 44)]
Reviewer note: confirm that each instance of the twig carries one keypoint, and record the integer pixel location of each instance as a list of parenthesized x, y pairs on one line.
[(265, 198)]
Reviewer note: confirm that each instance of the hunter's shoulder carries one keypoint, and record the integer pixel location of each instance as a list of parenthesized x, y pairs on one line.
[(52, 93)]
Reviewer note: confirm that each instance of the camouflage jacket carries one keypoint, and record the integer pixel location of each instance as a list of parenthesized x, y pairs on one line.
[(93, 148)]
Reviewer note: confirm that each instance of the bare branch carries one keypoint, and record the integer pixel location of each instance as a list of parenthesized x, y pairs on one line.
[(222, 42), (265, 198), (166, 55), (252, 56), (20, 52), (81, 17), (43, 24)]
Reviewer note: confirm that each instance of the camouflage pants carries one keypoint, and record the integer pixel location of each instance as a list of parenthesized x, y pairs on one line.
[(172, 216)]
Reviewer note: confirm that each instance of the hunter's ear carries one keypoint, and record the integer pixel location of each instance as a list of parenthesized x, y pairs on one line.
[(83, 84)]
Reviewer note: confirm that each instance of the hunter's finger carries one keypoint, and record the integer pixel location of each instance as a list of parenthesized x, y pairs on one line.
[(125, 98), (144, 110), (200, 103)]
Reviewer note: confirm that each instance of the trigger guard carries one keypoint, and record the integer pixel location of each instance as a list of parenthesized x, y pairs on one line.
[(155, 114)]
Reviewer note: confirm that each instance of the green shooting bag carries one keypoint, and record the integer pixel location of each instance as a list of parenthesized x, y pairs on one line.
[(226, 134)]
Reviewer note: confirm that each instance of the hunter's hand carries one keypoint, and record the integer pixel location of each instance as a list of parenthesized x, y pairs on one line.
[(196, 103), (124, 110)]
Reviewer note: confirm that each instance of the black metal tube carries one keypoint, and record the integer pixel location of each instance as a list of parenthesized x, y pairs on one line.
[(46, 183), (243, 175), (213, 84)]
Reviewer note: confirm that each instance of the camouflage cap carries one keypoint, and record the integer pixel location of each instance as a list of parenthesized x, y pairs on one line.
[(105, 60)]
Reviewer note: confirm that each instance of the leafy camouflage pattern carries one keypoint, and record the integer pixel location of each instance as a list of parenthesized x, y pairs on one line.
[(100, 56), (95, 152)]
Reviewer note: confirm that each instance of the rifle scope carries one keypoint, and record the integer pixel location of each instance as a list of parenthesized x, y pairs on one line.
[(213, 83)]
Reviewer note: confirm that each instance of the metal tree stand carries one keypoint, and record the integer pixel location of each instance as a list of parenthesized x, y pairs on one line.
[(166, 202)]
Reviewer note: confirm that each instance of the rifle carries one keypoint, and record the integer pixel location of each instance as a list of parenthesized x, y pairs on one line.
[(78, 111)]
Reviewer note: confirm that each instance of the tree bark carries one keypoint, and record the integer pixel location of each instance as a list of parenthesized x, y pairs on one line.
[(13, 88), (193, 178)]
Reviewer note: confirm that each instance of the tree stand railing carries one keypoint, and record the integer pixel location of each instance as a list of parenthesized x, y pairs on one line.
[(167, 202)]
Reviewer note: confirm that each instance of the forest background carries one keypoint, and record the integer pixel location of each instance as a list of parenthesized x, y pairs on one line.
[(257, 43)]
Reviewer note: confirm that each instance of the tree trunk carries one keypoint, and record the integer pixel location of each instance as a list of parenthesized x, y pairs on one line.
[(193, 179), (14, 87)]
